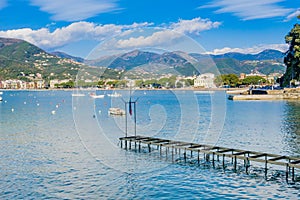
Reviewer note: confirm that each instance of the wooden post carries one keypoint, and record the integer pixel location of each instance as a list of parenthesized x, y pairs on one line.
[(139, 146), (293, 174), (266, 166), (198, 157), (223, 161), (160, 149), (149, 148), (247, 164), (172, 154), (234, 163), (213, 159), (184, 155), (287, 173), (121, 144)]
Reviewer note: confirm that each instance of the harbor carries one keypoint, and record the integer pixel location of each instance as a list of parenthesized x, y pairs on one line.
[(212, 154)]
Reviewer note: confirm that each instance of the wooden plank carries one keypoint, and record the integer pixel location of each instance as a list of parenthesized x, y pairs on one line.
[(225, 151), (257, 156), (295, 162), (240, 153), (278, 158)]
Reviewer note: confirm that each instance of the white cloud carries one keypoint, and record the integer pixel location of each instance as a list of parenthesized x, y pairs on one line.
[(159, 38), (74, 32), (3, 4), (173, 33), (77, 31), (194, 26), (293, 15), (74, 10), (250, 50), (249, 9)]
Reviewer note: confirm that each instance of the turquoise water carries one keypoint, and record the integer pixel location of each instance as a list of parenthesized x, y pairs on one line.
[(55, 146)]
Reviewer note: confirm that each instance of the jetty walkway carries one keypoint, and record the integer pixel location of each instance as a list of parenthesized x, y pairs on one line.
[(211, 153)]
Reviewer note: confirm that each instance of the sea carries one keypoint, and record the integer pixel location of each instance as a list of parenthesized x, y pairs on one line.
[(57, 146)]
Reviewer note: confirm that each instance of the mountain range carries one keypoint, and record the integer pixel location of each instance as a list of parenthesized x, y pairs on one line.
[(18, 57), (268, 61)]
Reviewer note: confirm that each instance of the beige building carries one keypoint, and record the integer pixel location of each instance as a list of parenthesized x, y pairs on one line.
[(205, 81)]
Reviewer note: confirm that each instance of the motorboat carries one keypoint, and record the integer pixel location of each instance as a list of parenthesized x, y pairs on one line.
[(115, 94), (116, 111), (78, 95), (100, 96)]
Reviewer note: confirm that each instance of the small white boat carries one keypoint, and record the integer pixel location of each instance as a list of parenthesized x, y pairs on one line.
[(78, 95), (116, 111), (115, 94), (100, 96)]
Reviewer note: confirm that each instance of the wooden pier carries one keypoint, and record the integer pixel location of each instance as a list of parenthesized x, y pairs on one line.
[(212, 154)]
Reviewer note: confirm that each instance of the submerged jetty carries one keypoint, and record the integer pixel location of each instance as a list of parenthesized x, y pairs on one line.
[(264, 94), (211, 154)]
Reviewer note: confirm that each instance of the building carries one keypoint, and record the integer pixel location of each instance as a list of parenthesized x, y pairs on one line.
[(205, 81), (55, 82)]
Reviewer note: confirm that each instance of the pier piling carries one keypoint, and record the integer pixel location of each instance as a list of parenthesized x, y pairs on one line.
[(290, 163)]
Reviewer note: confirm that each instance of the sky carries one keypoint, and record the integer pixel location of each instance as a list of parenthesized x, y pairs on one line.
[(219, 26)]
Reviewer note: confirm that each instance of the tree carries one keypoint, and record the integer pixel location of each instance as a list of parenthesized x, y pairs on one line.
[(292, 56), (227, 79), (253, 80)]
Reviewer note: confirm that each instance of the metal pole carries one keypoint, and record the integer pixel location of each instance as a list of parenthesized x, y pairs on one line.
[(125, 119), (134, 118)]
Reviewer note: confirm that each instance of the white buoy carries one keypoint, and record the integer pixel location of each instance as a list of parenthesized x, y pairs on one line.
[(74, 108), (56, 106), (99, 111), (12, 110), (24, 102), (53, 112), (38, 104)]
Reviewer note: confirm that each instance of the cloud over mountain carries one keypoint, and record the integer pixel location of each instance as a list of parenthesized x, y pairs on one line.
[(77, 31), (74, 32), (250, 50)]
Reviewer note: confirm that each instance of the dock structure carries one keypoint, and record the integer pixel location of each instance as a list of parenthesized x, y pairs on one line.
[(212, 153)]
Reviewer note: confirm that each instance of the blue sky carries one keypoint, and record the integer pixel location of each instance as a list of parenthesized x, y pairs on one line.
[(220, 26)]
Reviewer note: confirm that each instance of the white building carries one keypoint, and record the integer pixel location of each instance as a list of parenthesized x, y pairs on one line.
[(205, 81)]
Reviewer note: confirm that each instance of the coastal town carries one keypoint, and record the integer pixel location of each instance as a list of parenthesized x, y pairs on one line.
[(206, 80)]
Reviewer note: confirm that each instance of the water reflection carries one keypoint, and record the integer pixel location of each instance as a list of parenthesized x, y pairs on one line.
[(291, 126)]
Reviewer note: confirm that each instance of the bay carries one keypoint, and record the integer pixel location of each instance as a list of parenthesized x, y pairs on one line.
[(55, 146)]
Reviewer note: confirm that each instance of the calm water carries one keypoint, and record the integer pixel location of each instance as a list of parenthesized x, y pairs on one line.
[(53, 146)]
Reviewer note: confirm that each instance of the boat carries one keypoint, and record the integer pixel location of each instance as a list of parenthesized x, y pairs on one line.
[(78, 95), (115, 94), (100, 96), (116, 111), (1, 98)]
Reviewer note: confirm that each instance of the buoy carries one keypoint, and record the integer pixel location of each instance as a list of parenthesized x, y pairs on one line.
[(53, 112), (56, 106), (38, 104), (12, 110), (24, 102)]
